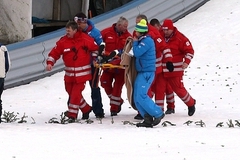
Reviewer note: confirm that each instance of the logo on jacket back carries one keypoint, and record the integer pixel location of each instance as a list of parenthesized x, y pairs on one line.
[(67, 50), (110, 37)]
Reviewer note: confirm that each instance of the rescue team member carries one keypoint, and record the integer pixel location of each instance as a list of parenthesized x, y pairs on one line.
[(112, 80), (160, 86), (183, 53), (75, 48), (87, 26)]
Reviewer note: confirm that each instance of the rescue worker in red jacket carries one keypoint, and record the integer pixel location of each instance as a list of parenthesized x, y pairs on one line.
[(112, 80), (87, 26), (165, 87), (75, 48), (163, 53), (183, 53)]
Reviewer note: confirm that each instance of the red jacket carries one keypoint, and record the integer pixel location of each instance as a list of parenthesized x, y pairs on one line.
[(182, 52), (114, 40), (163, 52), (76, 55)]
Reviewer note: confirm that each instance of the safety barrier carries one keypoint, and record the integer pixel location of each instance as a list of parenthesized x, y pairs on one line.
[(28, 57)]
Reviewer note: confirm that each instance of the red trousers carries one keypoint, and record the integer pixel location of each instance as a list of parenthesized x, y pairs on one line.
[(112, 82), (178, 87), (76, 100), (161, 88)]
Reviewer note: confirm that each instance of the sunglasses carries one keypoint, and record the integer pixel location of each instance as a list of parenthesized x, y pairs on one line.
[(79, 19)]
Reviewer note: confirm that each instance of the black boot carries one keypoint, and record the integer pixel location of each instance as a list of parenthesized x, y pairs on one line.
[(86, 115), (100, 115), (147, 122), (138, 117), (114, 113), (192, 109), (70, 119), (170, 111), (97, 106), (156, 121)]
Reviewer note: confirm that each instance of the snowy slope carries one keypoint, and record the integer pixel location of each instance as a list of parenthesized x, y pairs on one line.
[(212, 79)]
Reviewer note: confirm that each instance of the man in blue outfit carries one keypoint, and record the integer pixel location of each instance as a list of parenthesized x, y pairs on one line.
[(86, 26), (144, 52)]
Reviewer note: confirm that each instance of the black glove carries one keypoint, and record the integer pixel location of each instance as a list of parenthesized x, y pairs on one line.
[(101, 48), (170, 66), (109, 57)]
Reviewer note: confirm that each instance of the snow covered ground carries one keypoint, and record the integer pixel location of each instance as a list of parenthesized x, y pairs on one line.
[(213, 79)]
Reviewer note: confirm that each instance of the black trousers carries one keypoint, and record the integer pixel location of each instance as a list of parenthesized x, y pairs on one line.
[(1, 91), (97, 105)]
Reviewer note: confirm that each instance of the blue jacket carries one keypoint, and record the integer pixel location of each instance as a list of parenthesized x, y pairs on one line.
[(145, 53), (92, 31)]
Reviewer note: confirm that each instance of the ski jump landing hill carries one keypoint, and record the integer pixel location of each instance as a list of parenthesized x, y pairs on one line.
[(28, 57)]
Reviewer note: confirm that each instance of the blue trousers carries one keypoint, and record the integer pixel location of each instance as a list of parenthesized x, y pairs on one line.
[(143, 102)]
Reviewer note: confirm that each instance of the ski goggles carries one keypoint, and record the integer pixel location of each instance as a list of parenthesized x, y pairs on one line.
[(79, 19)]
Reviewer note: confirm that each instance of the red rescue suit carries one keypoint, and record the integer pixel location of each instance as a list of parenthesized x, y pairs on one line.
[(76, 55), (182, 52), (112, 80)]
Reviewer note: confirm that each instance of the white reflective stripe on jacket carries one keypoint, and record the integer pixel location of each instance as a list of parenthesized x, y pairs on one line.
[(78, 71)]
